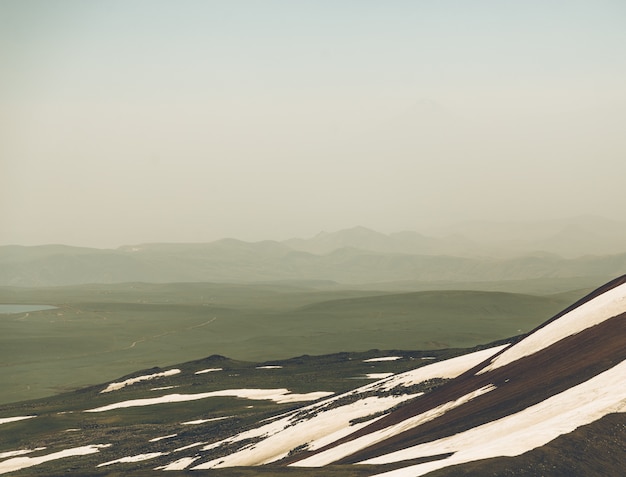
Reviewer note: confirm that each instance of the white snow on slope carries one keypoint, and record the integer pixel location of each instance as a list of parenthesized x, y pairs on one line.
[(157, 439), (348, 448), (134, 458), (384, 358), (314, 396), (4, 455), (202, 421), (448, 369), (189, 446), (278, 395), (209, 370), (344, 431), (591, 313), (521, 432), (269, 367), (283, 434), (17, 463), (128, 382), (5, 420), (180, 464)]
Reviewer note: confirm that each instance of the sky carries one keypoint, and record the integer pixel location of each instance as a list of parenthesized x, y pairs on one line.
[(126, 122)]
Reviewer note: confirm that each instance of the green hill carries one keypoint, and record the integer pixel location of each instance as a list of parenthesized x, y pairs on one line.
[(99, 332)]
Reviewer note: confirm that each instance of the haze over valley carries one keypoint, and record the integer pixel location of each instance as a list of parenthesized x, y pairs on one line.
[(344, 238), (487, 252)]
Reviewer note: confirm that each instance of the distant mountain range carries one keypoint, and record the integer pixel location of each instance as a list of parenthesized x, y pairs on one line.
[(568, 238), (472, 252), (401, 242)]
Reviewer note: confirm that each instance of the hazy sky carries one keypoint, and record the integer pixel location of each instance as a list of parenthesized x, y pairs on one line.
[(142, 121)]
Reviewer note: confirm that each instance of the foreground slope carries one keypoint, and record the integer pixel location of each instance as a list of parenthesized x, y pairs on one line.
[(504, 408), (567, 373), (175, 417)]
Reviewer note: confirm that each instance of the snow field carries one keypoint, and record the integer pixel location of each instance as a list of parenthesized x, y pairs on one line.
[(190, 446), (278, 395), (348, 448), (284, 435), (326, 425), (448, 369), (17, 463), (591, 313), (521, 432)]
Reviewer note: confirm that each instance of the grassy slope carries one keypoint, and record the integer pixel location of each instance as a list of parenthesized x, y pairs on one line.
[(101, 332)]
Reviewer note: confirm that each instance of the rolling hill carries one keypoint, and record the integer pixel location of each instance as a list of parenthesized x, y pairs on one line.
[(101, 331)]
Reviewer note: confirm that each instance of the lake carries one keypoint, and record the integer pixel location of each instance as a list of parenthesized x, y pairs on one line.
[(6, 309)]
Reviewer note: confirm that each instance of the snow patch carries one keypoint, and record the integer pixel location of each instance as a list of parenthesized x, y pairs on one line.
[(269, 367), (528, 429), (355, 445), (202, 421), (447, 369), (17, 463), (134, 458), (378, 375), (4, 455), (595, 311), (283, 435), (180, 464), (384, 358), (128, 382), (157, 439), (208, 370), (5, 420), (312, 425), (313, 396), (277, 395)]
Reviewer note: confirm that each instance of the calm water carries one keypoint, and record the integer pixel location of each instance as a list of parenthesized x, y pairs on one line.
[(8, 309)]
